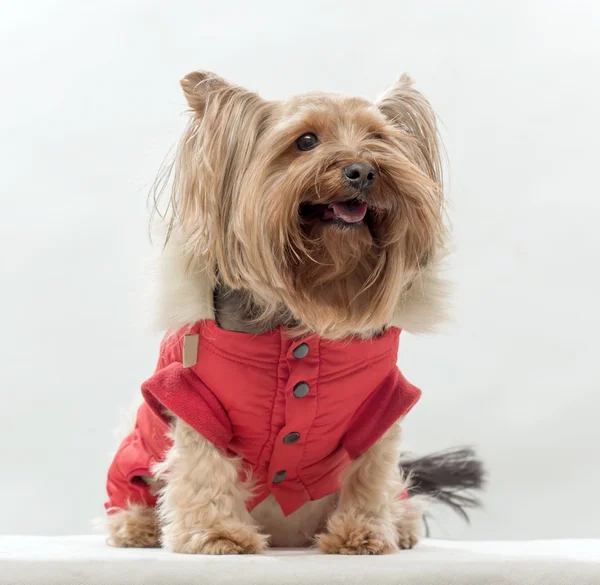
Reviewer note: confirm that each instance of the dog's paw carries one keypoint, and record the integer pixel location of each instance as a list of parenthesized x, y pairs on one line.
[(135, 527), (231, 538), (409, 524), (407, 537), (349, 534)]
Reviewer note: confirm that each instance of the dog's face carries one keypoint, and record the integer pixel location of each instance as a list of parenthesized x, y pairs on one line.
[(325, 207)]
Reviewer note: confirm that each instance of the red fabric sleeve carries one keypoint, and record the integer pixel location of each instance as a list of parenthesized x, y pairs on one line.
[(393, 399), (180, 391), (124, 484)]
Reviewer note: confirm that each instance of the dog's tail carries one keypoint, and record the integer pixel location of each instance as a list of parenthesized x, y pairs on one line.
[(452, 477)]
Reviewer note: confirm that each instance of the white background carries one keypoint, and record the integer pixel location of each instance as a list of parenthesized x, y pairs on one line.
[(90, 105)]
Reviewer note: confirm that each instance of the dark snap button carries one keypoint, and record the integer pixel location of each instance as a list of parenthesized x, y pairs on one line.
[(291, 438), (279, 476), (301, 351), (301, 389)]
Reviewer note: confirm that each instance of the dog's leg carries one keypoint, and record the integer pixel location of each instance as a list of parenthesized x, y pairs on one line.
[(369, 518), (408, 518), (202, 506)]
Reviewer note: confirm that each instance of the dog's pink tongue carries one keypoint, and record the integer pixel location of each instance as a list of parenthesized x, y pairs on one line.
[(349, 211)]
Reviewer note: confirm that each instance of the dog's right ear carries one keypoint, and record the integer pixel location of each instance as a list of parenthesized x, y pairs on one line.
[(198, 85), (214, 154)]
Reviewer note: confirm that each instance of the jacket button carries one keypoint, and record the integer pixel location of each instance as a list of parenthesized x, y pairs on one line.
[(291, 438), (301, 351), (279, 476), (301, 389)]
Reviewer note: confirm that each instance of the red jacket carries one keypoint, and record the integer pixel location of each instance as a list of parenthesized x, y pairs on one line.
[(295, 410)]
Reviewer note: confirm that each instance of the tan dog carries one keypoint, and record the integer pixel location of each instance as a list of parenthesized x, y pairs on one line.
[(322, 214)]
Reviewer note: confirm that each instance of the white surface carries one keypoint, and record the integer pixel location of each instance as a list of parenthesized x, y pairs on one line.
[(89, 561), (90, 106)]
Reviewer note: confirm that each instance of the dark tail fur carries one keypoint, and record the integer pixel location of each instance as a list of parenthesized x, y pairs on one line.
[(450, 477)]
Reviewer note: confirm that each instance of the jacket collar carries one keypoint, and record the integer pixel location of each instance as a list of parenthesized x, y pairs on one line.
[(184, 294)]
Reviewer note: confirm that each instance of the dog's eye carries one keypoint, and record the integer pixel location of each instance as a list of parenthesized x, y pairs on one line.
[(376, 136), (307, 141)]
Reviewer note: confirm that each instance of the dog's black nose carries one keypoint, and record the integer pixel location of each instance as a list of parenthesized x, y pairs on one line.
[(360, 175)]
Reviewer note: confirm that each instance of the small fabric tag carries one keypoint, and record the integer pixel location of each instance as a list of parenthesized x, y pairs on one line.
[(190, 350)]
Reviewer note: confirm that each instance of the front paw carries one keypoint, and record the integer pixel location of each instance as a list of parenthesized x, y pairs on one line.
[(224, 538), (355, 534)]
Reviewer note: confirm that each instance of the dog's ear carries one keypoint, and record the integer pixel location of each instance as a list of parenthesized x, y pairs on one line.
[(198, 85), (214, 155), (408, 109)]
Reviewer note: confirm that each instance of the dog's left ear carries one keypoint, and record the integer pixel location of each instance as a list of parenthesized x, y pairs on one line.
[(408, 109)]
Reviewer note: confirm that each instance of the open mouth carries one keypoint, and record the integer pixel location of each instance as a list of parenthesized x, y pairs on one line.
[(350, 212)]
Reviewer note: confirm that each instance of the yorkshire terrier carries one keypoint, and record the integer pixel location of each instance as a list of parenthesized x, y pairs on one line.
[(303, 236)]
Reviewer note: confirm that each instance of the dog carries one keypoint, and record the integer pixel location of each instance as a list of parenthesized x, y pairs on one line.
[(302, 237)]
